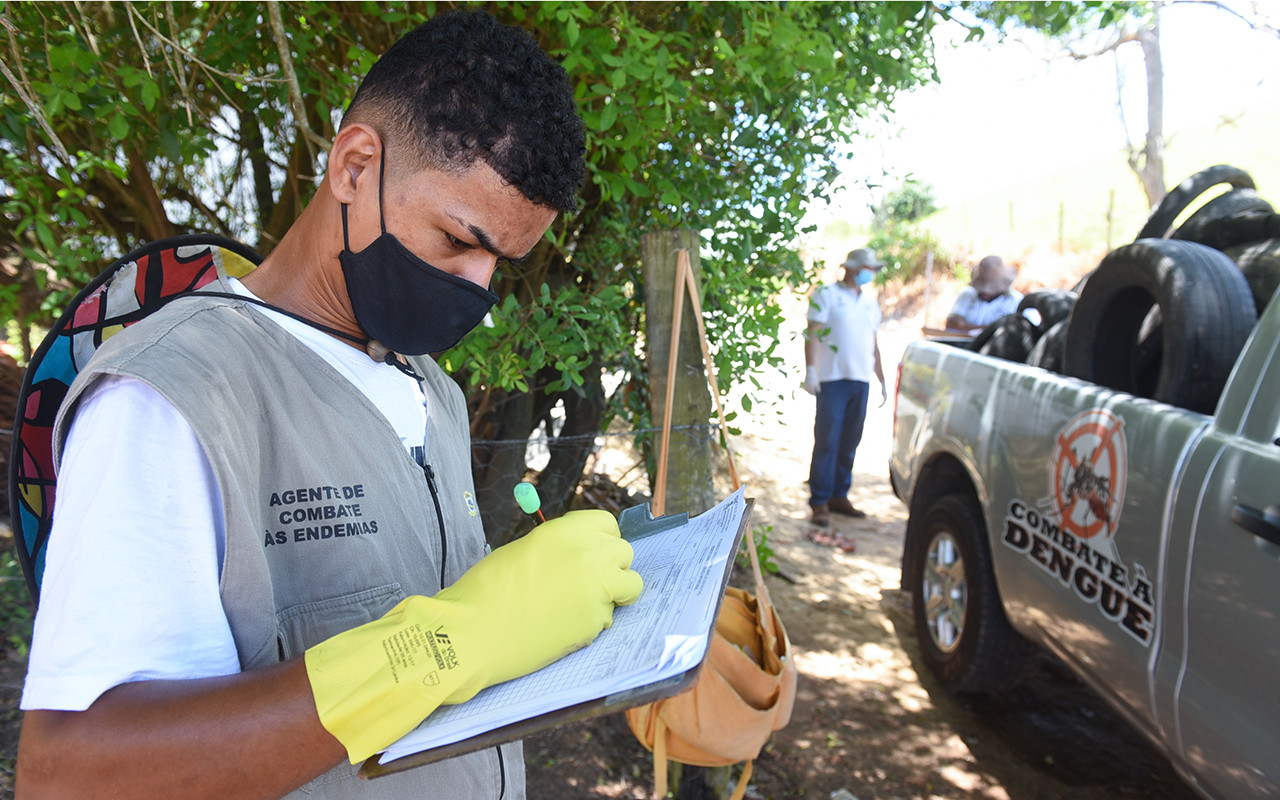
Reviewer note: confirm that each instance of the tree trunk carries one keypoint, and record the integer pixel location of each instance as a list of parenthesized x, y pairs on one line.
[(571, 448), (1148, 164), (499, 459), (689, 468), (498, 464)]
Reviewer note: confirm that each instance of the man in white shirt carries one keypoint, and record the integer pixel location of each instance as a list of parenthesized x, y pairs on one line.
[(988, 297), (841, 353)]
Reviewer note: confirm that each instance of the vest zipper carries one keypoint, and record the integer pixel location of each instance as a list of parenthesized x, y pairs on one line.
[(435, 500), (444, 553), (502, 774)]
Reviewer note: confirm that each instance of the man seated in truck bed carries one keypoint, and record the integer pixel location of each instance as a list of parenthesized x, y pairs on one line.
[(987, 298)]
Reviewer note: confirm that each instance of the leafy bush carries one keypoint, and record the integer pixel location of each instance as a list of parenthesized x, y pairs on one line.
[(763, 551), (905, 249)]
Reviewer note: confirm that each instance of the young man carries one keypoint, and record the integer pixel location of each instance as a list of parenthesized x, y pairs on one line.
[(841, 352), (988, 297), (194, 639)]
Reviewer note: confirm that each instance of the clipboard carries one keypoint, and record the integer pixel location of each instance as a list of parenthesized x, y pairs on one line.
[(635, 523)]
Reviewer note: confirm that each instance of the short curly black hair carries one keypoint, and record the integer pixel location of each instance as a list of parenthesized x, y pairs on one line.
[(462, 87)]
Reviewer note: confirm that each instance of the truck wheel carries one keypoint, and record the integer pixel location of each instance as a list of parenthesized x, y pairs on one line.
[(1206, 314), (964, 637), (1175, 202)]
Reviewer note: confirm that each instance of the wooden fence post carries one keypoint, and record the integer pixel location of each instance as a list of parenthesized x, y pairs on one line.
[(689, 485), (689, 468)]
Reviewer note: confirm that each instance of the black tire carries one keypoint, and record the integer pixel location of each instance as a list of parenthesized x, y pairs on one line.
[(1050, 350), (1208, 225), (1148, 354), (1175, 202), (1053, 306), (1206, 314), (1233, 232), (964, 637), (1011, 337), (1260, 264)]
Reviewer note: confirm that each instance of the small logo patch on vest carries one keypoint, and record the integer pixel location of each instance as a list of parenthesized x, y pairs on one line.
[(470, 500)]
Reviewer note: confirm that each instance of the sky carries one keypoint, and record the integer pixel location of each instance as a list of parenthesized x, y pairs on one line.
[(1001, 107)]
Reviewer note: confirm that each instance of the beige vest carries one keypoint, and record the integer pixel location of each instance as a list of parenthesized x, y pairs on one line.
[(329, 521)]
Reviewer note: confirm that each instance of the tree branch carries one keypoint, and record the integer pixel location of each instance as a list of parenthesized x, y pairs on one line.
[(190, 56), (178, 72), (190, 198), (1251, 22), (295, 91), (1123, 36), (35, 108), (156, 222)]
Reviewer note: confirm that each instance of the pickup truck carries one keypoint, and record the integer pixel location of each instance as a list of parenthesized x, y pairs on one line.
[(1136, 540)]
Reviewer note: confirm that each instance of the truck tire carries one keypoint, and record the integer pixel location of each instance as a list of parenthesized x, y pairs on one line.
[(1260, 263), (1050, 349), (1053, 306), (1175, 202), (1206, 314), (1207, 225), (1011, 337), (965, 639)]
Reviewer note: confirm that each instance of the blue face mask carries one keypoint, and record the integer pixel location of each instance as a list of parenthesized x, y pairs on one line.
[(864, 277)]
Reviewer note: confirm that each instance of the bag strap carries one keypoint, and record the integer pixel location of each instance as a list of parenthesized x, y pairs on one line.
[(659, 756), (685, 283), (740, 790), (660, 782)]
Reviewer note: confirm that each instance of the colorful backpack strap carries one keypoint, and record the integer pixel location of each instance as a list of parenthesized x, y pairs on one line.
[(133, 286)]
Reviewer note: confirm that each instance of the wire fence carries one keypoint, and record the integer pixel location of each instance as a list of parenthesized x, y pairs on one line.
[(616, 475), (617, 471)]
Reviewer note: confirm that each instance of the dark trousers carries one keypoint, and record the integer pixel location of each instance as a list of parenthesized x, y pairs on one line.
[(837, 430)]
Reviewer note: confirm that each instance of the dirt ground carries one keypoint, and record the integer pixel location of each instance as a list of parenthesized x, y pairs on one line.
[(869, 722)]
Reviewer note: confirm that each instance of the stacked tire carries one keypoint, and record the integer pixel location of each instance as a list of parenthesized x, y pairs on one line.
[(1016, 337), (1166, 316)]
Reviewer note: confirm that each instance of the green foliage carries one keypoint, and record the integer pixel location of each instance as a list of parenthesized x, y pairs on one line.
[(903, 244), (764, 553), (719, 117), (905, 248), (556, 330), (130, 122), (1057, 18), (910, 202), (16, 612)]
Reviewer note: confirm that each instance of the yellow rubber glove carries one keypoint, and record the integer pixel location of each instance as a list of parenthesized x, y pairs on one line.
[(518, 609)]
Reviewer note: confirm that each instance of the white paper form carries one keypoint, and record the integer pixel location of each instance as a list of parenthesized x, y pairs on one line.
[(662, 634)]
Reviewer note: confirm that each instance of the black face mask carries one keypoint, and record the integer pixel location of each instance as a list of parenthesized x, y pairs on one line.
[(402, 301)]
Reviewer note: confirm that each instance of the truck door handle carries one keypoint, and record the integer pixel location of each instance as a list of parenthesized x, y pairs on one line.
[(1265, 524)]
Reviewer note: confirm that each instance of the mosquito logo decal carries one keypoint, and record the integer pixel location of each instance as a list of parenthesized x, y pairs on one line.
[(1089, 470)]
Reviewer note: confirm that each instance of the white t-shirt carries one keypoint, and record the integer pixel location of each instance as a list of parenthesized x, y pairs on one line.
[(847, 351), (977, 312), (130, 587)]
